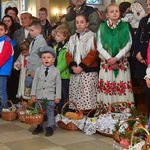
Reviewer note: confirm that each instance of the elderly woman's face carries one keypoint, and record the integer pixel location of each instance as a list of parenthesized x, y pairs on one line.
[(25, 20), (78, 2)]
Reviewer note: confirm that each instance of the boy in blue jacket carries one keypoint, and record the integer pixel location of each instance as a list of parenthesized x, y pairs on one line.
[(6, 60)]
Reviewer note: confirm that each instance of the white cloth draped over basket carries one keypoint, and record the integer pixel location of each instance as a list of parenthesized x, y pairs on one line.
[(78, 123)]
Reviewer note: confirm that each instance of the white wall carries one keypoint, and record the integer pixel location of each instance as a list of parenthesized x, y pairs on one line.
[(31, 7), (5, 4), (34, 5)]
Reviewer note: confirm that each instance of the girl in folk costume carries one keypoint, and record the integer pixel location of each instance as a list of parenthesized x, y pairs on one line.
[(6, 60), (113, 44), (21, 64), (82, 57)]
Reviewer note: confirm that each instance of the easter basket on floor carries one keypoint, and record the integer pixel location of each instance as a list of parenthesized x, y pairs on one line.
[(143, 144), (21, 112), (116, 111), (90, 123), (9, 114), (33, 116), (68, 123), (123, 135), (22, 109)]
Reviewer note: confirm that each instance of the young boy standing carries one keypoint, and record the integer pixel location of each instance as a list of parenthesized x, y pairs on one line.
[(47, 84), (6, 59), (61, 38), (35, 29), (46, 26)]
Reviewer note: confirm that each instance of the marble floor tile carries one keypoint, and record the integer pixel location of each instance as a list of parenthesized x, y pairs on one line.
[(106, 140), (27, 134), (4, 147), (9, 127), (31, 144), (88, 145), (21, 124), (55, 148), (10, 137), (69, 137), (5, 121), (15, 135)]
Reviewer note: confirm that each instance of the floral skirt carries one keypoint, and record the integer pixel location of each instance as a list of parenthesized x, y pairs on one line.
[(112, 87), (83, 90)]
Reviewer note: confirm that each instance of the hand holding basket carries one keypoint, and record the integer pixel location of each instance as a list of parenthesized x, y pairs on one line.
[(34, 119)]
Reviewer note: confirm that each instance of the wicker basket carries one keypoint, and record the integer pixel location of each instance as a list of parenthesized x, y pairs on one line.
[(90, 123), (9, 115), (144, 145), (35, 119), (70, 126), (21, 113), (22, 110), (141, 145), (117, 110), (117, 138)]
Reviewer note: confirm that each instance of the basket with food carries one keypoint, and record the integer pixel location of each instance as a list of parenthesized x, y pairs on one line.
[(127, 137), (90, 123), (9, 113), (105, 123), (70, 120), (34, 116)]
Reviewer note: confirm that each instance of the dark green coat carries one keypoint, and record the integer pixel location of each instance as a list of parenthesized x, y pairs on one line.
[(93, 18)]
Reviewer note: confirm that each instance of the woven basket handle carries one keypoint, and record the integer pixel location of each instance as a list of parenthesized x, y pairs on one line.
[(12, 105), (117, 132), (90, 113), (139, 127), (39, 104), (62, 110), (23, 107), (116, 103), (131, 119)]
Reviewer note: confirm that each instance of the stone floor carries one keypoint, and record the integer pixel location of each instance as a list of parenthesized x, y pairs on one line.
[(15, 135)]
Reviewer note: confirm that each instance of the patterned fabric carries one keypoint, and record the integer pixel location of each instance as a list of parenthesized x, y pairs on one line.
[(79, 47), (83, 90), (25, 61), (111, 89), (114, 38)]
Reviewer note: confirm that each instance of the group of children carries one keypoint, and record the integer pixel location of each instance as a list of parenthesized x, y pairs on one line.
[(69, 71)]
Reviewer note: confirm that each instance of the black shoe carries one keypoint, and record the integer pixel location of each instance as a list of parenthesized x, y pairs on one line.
[(49, 131), (54, 127), (38, 130)]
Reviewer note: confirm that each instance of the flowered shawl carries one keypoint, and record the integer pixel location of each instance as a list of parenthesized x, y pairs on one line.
[(79, 47)]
